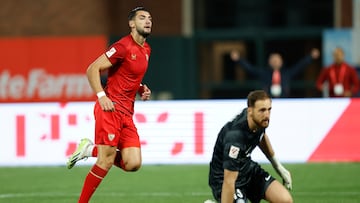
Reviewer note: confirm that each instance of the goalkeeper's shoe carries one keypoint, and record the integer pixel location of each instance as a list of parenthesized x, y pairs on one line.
[(79, 153)]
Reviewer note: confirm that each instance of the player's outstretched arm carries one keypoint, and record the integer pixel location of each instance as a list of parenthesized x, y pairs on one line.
[(267, 149)]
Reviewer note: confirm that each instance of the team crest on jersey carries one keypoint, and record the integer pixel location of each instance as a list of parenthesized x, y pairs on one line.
[(111, 137), (111, 52), (133, 56), (234, 152), (147, 57)]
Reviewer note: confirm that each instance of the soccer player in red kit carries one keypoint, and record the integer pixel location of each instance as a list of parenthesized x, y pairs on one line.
[(116, 138)]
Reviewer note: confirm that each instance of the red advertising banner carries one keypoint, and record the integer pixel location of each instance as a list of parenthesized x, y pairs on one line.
[(47, 69)]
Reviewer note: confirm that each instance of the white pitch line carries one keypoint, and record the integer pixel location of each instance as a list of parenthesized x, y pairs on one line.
[(114, 194)]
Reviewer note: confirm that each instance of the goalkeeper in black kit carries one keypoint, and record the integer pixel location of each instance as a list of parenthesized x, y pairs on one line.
[(234, 176)]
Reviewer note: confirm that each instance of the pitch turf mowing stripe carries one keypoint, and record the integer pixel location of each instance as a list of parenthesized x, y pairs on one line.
[(161, 194), (113, 194)]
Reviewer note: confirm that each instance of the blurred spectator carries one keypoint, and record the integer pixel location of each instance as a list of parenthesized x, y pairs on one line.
[(342, 79), (276, 79)]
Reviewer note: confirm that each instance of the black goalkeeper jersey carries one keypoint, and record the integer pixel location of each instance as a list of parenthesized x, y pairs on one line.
[(232, 151)]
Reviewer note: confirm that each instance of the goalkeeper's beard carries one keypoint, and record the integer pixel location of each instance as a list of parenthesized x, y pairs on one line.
[(262, 123)]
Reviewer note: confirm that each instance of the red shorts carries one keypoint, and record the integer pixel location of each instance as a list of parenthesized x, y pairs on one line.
[(115, 129)]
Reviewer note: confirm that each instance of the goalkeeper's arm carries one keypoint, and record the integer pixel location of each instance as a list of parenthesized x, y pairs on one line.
[(267, 149)]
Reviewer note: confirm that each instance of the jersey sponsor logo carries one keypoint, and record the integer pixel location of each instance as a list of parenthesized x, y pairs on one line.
[(111, 52), (234, 152), (267, 178)]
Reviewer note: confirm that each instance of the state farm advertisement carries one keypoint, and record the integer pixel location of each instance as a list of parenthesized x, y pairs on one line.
[(47, 69), (179, 132)]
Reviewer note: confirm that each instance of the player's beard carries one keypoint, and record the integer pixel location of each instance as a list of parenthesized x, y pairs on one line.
[(143, 33), (261, 123)]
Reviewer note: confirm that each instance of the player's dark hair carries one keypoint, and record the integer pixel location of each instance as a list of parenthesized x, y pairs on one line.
[(256, 95), (132, 13)]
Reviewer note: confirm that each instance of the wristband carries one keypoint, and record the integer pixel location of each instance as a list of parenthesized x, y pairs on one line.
[(100, 94)]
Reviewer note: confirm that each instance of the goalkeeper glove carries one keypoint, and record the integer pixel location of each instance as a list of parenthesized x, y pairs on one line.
[(281, 170)]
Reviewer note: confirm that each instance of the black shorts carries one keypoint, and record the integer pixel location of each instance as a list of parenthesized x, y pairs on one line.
[(255, 189)]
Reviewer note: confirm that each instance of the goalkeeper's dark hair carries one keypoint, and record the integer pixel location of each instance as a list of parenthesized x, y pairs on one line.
[(132, 13), (256, 95)]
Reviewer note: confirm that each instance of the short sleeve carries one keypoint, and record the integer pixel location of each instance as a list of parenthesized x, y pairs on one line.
[(233, 151), (116, 53)]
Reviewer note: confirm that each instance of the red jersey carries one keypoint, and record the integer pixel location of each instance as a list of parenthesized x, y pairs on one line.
[(342, 74), (130, 62)]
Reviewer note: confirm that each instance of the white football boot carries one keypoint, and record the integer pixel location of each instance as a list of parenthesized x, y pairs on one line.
[(79, 153)]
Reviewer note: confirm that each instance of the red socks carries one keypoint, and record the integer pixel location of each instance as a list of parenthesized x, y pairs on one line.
[(92, 181)]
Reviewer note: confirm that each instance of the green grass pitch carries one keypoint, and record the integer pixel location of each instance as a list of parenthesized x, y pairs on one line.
[(313, 183)]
